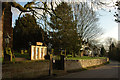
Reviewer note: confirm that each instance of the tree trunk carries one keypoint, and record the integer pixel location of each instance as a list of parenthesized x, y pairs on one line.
[(7, 24), (1, 31)]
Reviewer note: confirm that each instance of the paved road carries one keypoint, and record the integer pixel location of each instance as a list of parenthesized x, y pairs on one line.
[(111, 70)]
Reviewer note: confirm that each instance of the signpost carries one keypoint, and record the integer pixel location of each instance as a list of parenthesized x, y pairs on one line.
[(51, 66)]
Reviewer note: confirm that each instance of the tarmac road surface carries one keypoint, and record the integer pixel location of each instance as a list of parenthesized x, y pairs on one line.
[(110, 72)]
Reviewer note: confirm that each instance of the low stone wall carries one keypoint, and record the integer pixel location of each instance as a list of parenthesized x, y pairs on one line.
[(31, 69), (34, 69), (83, 63)]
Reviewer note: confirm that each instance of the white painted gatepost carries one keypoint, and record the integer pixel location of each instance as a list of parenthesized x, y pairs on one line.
[(38, 51)]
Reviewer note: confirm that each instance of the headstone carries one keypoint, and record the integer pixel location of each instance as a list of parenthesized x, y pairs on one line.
[(22, 51)]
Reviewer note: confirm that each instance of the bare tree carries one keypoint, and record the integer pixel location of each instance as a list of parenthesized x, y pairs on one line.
[(110, 41), (118, 45), (99, 4), (117, 14), (87, 25)]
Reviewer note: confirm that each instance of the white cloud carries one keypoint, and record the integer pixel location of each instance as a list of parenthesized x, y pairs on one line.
[(15, 14), (15, 11), (113, 33)]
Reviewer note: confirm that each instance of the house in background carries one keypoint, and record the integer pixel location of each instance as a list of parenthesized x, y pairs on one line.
[(89, 50)]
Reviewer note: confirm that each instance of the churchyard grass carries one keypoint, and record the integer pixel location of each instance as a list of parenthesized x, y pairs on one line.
[(84, 57), (25, 55)]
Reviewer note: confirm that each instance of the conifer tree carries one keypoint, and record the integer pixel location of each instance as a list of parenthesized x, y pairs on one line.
[(64, 33)]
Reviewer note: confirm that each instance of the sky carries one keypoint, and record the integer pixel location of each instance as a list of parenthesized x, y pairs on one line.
[(106, 22)]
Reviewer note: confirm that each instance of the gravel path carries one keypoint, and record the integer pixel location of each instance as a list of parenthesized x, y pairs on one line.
[(20, 59)]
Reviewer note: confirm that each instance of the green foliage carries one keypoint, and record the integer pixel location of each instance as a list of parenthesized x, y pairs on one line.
[(114, 52), (13, 59), (1, 59), (112, 46), (26, 31), (103, 51), (26, 55), (64, 35), (69, 56), (47, 57)]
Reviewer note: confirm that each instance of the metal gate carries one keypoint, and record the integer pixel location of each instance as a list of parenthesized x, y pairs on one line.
[(58, 64)]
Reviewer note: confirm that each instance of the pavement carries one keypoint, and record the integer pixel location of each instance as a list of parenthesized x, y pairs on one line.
[(107, 72)]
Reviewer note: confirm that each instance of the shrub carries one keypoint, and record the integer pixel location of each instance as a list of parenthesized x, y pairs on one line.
[(47, 57)]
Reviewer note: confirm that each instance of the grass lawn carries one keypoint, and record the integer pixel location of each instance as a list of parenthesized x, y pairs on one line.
[(84, 57), (1, 59), (25, 55)]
